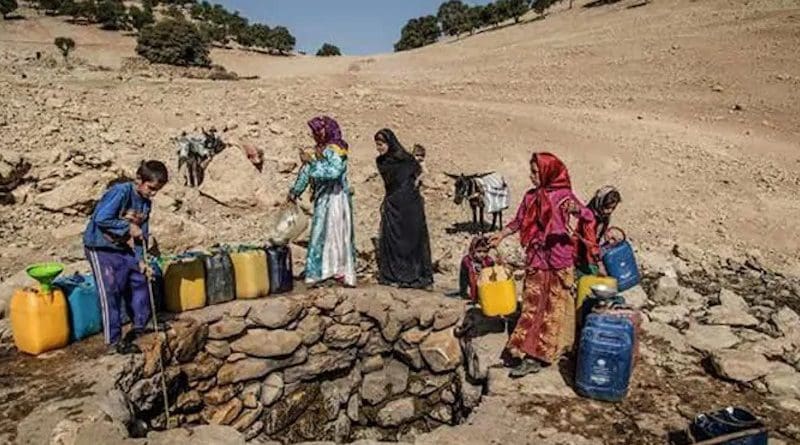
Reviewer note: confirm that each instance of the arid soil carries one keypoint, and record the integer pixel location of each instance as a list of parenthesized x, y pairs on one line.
[(690, 108)]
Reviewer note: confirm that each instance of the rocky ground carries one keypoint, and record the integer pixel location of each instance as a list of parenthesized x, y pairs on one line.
[(689, 107)]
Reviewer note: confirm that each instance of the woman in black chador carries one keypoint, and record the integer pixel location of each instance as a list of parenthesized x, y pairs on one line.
[(404, 259)]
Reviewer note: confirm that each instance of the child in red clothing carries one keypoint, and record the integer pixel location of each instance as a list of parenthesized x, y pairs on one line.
[(471, 265)]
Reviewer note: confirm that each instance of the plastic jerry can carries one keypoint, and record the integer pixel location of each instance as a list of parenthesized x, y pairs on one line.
[(594, 301), (279, 259), (83, 304), (585, 284), (220, 281), (184, 284), (39, 317), (605, 358), (497, 292), (620, 263), (618, 309), (250, 272)]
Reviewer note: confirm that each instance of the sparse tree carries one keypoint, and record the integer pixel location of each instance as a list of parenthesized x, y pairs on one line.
[(418, 32), (87, 9), (174, 42), (111, 15), (328, 50), (65, 45), (141, 17), (281, 40), (490, 16), (513, 9), (452, 15), (174, 12), (7, 7), (541, 6)]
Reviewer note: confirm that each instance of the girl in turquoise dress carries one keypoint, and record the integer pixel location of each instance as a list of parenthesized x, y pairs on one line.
[(331, 250)]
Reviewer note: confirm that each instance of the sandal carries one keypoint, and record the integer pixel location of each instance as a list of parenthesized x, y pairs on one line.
[(527, 366)]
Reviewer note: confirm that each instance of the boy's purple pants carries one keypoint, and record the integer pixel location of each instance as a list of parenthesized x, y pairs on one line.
[(121, 286)]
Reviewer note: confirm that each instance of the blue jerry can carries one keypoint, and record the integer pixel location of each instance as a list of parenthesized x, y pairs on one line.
[(605, 358), (620, 263), (84, 305)]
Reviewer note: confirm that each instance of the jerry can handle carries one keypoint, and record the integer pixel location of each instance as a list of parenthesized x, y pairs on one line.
[(606, 237)]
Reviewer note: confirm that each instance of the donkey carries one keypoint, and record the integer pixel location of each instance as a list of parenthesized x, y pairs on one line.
[(196, 153), (484, 191)]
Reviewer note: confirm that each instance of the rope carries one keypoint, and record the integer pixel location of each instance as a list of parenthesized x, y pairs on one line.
[(158, 334)]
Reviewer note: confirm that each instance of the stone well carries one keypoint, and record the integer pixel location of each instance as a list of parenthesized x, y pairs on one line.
[(336, 365)]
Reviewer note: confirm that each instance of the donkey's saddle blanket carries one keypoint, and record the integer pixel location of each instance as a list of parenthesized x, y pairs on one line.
[(495, 192)]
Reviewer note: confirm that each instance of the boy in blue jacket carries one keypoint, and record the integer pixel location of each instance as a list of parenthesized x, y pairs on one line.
[(113, 241)]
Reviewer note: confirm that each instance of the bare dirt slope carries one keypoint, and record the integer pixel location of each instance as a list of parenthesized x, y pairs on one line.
[(689, 107)]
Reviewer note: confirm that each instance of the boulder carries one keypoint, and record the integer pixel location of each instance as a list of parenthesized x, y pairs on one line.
[(290, 408), (225, 414), (396, 412), (739, 366), (710, 338), (186, 338), (250, 395), (247, 418), (267, 343), (177, 233), (392, 379), (329, 361), (219, 349), (732, 311), (636, 297), (219, 395), (253, 368), (341, 336), (272, 389), (788, 323), (666, 291), (218, 435), (226, 328), (311, 328), (205, 367), (669, 314), (276, 313), (441, 351), (76, 196), (232, 181), (784, 383), (7, 288), (189, 402), (446, 318)]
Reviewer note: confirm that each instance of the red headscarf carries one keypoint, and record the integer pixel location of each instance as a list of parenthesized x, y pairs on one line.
[(553, 175)]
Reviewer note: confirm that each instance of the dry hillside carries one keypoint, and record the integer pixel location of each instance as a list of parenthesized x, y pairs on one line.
[(690, 108)]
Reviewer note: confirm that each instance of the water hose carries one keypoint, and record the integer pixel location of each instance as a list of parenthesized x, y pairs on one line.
[(156, 330)]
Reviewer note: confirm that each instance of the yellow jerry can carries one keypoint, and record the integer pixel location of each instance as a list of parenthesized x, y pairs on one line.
[(497, 292), (184, 284), (250, 273)]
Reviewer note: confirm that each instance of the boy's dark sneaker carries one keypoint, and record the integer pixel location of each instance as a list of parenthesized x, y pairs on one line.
[(125, 348)]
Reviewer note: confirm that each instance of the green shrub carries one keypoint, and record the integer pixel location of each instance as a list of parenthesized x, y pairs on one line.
[(65, 45), (7, 7), (174, 42), (328, 50)]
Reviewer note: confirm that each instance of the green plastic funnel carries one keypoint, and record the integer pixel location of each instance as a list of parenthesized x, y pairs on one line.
[(45, 273)]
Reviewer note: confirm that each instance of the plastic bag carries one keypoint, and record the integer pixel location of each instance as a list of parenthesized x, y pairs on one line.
[(289, 223)]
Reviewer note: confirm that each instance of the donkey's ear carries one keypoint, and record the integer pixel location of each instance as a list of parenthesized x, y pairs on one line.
[(450, 175), (481, 175)]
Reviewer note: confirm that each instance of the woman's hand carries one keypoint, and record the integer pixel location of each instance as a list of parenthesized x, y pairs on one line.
[(496, 239), (305, 156)]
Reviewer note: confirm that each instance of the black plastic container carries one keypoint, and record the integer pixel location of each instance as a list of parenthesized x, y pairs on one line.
[(220, 279), (279, 262)]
